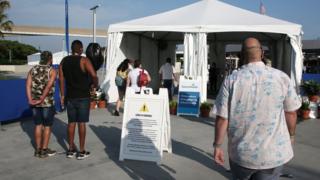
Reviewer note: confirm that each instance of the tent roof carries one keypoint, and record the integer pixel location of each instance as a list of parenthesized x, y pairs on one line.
[(208, 16)]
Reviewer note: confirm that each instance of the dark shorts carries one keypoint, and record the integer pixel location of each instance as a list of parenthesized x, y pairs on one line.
[(43, 115), (122, 92), (78, 110), (242, 173)]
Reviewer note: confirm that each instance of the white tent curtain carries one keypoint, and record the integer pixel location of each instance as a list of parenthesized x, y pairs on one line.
[(202, 64), (113, 60), (196, 59), (296, 60), (189, 55)]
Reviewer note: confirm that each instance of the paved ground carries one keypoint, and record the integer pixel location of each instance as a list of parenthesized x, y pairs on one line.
[(191, 158)]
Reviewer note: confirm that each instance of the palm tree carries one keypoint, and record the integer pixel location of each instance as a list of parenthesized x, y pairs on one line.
[(5, 24)]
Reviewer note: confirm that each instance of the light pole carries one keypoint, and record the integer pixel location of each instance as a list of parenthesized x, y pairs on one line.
[(93, 9)]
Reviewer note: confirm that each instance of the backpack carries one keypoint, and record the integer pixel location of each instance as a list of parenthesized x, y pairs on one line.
[(120, 82), (142, 79)]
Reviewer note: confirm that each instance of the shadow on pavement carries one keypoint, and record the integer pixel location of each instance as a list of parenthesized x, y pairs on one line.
[(59, 130), (208, 121), (110, 137), (300, 172), (197, 155)]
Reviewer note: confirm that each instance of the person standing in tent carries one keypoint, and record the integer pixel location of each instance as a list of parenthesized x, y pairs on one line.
[(167, 75), (135, 77), (213, 77), (121, 83), (257, 106), (74, 71), (40, 92)]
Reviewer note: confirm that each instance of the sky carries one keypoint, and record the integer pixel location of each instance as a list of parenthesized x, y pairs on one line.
[(50, 13)]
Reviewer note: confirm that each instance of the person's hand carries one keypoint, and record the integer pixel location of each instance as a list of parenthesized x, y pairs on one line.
[(33, 102), (218, 156), (41, 99)]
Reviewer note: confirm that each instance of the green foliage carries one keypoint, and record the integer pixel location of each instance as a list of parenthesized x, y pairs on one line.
[(19, 52), (102, 96), (206, 105), (173, 104), (5, 24), (305, 105), (311, 87)]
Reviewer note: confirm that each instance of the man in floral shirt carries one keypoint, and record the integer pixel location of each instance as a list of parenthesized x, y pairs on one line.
[(257, 107)]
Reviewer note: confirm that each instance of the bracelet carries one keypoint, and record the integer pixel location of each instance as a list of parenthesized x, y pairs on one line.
[(215, 145)]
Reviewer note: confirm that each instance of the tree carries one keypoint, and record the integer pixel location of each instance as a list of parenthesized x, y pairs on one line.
[(5, 24), (19, 52)]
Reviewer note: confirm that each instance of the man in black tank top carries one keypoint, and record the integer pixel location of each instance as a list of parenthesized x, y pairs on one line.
[(74, 72)]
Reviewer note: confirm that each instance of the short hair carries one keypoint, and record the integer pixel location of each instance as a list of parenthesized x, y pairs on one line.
[(137, 63), (168, 60), (76, 45), (45, 56)]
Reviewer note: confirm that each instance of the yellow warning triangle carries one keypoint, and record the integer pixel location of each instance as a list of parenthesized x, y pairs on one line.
[(144, 108)]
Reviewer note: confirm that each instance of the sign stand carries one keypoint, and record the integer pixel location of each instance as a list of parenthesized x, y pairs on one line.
[(146, 130), (189, 96)]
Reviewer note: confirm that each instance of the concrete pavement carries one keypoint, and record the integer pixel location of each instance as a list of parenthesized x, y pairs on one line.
[(191, 157)]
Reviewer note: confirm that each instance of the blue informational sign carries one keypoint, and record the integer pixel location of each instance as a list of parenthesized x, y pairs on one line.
[(189, 96), (188, 103)]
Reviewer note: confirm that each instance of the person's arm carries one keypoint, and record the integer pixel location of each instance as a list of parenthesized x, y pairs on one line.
[(174, 74), (28, 91), (49, 85), (221, 125), (160, 74), (61, 81), (89, 68), (129, 79), (291, 119), (149, 77)]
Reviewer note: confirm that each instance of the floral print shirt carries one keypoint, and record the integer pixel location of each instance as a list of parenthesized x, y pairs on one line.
[(254, 100)]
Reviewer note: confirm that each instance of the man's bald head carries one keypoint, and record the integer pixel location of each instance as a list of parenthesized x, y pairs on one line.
[(252, 50)]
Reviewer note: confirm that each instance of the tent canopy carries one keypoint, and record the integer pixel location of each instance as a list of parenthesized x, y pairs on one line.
[(208, 16), (205, 23)]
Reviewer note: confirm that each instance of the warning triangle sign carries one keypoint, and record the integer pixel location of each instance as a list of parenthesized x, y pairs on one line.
[(144, 108)]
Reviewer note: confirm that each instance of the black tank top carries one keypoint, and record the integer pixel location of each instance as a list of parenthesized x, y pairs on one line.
[(77, 81)]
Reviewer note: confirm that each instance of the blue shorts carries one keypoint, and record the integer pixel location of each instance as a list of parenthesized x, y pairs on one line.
[(78, 110), (43, 115)]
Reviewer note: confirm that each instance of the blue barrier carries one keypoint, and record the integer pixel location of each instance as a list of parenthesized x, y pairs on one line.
[(315, 77), (14, 102)]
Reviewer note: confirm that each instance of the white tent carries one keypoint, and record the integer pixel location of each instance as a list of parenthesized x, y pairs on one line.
[(58, 56), (33, 59), (205, 23)]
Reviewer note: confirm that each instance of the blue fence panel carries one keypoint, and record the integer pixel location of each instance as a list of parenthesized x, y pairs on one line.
[(315, 77), (14, 102)]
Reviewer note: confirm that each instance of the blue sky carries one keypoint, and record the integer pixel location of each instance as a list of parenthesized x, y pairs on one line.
[(51, 13)]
